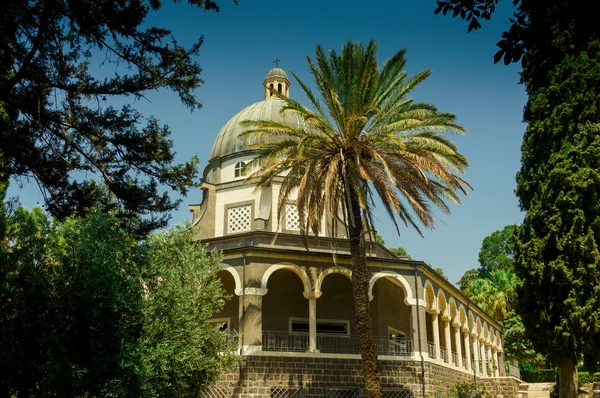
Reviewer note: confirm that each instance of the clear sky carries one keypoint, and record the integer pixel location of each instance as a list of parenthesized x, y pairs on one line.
[(241, 42)]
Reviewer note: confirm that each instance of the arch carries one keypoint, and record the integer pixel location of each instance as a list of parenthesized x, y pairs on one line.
[(291, 267), (442, 304), (236, 277), (430, 301), (279, 88), (486, 336), (271, 90), (453, 311), (478, 329), (462, 318), (403, 283), (331, 270)]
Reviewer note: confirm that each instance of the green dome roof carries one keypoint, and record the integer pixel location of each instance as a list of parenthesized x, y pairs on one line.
[(277, 72), (228, 140)]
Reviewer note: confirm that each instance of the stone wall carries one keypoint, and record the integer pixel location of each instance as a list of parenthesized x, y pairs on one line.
[(259, 376)]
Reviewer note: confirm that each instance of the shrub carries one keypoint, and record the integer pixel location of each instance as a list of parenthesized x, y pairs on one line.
[(468, 390), (584, 378), (539, 376)]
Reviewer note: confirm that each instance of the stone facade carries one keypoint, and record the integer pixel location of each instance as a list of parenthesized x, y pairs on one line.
[(262, 376)]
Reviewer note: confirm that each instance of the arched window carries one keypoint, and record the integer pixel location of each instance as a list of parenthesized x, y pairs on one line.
[(279, 88), (271, 90), (239, 170)]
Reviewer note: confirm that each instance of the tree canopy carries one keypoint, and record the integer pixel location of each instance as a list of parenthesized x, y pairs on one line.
[(61, 64), (496, 252), (87, 310), (556, 248)]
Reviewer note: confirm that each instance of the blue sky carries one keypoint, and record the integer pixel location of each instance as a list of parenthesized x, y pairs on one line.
[(241, 42)]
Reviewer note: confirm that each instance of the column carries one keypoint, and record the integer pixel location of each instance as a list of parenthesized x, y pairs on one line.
[(312, 320), (251, 320), (490, 358), (467, 350), (476, 356), (496, 363), (458, 346), (483, 357), (447, 341), (435, 327), (418, 320)]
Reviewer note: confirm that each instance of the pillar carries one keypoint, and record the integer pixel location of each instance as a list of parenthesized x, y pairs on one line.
[(251, 320), (312, 320), (490, 358), (447, 341), (457, 342), (435, 327), (418, 321), (467, 349), (483, 356), (476, 356), (496, 363)]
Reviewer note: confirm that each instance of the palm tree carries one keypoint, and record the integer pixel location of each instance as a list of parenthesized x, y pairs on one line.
[(495, 294), (363, 137)]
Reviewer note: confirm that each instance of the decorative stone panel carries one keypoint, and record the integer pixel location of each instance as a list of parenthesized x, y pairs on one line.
[(239, 219), (292, 218)]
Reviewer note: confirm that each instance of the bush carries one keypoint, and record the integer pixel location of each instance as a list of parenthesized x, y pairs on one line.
[(539, 376), (468, 390), (585, 378)]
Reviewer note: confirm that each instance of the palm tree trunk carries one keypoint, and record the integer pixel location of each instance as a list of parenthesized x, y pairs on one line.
[(567, 378), (360, 290)]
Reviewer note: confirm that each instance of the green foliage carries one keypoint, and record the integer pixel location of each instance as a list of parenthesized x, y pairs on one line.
[(585, 378), (496, 252), (515, 343), (400, 252), (441, 272), (468, 277), (82, 312), (181, 351), (538, 376), (61, 63), (468, 390)]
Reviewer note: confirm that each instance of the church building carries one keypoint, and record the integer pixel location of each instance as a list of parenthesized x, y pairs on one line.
[(292, 308)]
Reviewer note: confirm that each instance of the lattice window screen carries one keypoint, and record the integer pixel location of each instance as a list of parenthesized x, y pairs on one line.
[(286, 393), (292, 218), (404, 393), (239, 219), (343, 393), (216, 392)]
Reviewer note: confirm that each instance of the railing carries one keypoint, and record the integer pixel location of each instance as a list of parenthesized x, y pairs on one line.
[(284, 342), (334, 344), (338, 344), (514, 371), (464, 362), (444, 354), (455, 358), (431, 350), (396, 347)]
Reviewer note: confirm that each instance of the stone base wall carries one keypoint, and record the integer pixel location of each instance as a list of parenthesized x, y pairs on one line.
[(260, 376)]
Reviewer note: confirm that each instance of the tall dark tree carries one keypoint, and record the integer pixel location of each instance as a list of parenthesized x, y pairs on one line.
[(60, 64), (556, 248)]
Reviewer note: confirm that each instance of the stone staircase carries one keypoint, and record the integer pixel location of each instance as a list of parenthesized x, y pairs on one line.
[(535, 390)]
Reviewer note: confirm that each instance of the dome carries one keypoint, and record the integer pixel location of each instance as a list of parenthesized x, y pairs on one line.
[(277, 72), (228, 140)]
